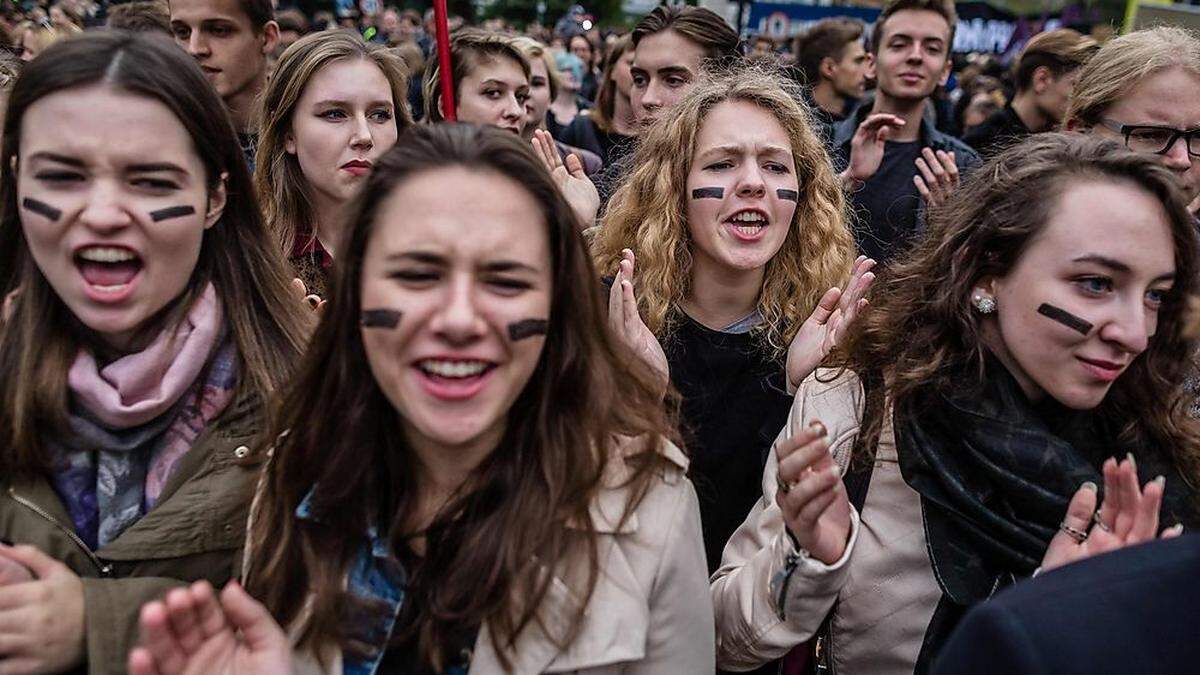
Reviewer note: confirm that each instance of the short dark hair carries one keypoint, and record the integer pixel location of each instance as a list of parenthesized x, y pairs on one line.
[(260, 12), (943, 8), (698, 24), (140, 16), (293, 20), (827, 38), (1060, 51)]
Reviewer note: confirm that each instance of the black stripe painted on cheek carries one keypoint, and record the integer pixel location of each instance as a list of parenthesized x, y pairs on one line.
[(790, 195), (526, 328), (41, 208), (380, 318), (1065, 318), (172, 212), (708, 193)]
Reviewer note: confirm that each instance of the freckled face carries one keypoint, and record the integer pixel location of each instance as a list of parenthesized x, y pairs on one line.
[(461, 271), (743, 150), (1107, 257)]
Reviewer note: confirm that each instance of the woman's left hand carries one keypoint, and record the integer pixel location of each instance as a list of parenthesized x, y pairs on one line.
[(572, 180), (825, 327), (41, 621), (1128, 517)]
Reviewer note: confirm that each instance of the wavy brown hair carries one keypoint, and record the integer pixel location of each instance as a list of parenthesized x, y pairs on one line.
[(277, 174), (648, 213), (602, 114), (40, 339), (519, 512), (921, 327)]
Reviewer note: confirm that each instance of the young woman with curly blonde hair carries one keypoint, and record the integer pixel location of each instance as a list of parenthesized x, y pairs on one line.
[(737, 224)]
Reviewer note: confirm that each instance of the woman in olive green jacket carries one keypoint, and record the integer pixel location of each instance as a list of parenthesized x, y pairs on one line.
[(147, 319)]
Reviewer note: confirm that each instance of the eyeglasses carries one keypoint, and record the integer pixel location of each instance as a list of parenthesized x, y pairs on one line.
[(1155, 140)]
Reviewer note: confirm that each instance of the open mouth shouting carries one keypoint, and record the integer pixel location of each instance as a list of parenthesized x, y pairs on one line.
[(110, 273), (748, 224)]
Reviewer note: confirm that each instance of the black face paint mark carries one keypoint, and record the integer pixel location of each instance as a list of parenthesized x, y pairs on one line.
[(41, 208), (380, 318), (708, 193), (519, 330), (171, 212), (1065, 318), (790, 195)]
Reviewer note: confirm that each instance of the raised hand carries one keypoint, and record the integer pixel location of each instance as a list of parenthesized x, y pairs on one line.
[(41, 620), (810, 495), (313, 301), (13, 572), (1129, 516), (572, 180), (938, 178), (867, 144), (828, 323), (626, 322), (193, 632)]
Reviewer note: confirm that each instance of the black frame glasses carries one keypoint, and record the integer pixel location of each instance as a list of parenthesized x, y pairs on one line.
[(1144, 140)]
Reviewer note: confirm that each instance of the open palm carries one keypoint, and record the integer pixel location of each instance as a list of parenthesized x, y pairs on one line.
[(828, 323)]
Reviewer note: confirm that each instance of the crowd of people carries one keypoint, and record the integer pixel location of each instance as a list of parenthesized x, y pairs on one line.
[(651, 353)]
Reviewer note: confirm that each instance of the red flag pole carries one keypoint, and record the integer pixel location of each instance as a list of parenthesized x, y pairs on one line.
[(443, 47)]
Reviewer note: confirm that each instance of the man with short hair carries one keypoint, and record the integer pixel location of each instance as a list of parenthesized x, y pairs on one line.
[(140, 16), (834, 63), (671, 46), (231, 40), (891, 159), (1044, 73)]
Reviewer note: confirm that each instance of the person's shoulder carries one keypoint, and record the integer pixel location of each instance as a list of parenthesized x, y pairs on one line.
[(982, 135)]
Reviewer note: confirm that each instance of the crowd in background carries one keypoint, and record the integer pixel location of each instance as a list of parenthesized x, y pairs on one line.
[(676, 353)]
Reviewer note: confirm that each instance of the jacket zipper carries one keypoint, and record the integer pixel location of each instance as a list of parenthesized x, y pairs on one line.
[(105, 570)]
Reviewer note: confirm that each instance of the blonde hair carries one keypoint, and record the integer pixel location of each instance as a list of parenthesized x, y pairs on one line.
[(533, 50), (278, 178), (648, 213), (1123, 63)]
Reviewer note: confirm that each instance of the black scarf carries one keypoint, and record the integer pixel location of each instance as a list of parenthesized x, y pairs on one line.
[(995, 474)]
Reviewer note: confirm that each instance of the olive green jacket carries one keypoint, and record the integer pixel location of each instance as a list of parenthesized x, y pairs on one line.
[(195, 531)]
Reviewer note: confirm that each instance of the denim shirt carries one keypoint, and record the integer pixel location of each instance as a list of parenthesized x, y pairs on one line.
[(376, 576)]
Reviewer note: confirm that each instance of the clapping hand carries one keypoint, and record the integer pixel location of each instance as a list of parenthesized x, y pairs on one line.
[(810, 495), (193, 632), (939, 176), (1128, 516), (828, 323), (867, 146), (570, 177), (626, 322)]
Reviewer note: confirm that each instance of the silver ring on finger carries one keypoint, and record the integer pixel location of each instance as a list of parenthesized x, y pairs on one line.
[(1100, 523), (1078, 535)]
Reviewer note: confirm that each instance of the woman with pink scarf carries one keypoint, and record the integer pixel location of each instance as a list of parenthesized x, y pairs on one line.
[(147, 320)]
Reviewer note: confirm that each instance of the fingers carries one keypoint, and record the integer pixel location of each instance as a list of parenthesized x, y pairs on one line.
[(1173, 531), (950, 165), (1128, 495), (1145, 524), (299, 288), (1112, 500), (826, 306), (1081, 508), (575, 166), (142, 663), (539, 149), (39, 563), (929, 177), (184, 623), (808, 499), (802, 454), (880, 122), (629, 309), (922, 188), (158, 641), (209, 614), (251, 618)]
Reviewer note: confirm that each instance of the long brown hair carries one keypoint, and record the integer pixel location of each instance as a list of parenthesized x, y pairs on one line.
[(606, 98), (923, 331), (277, 174), (648, 213), (490, 546), (40, 339)]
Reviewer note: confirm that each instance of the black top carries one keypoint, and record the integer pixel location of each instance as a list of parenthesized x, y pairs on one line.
[(582, 132), (997, 132), (1131, 611), (735, 402), (887, 205)]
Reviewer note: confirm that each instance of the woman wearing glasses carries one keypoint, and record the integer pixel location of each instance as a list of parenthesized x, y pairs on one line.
[(1144, 89)]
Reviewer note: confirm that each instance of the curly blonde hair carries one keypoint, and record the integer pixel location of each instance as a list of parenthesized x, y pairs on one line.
[(648, 213)]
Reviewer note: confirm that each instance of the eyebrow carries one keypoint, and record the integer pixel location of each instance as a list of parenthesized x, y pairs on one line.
[(334, 101), (906, 36), (430, 258), (737, 149), (1116, 265), (143, 167)]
